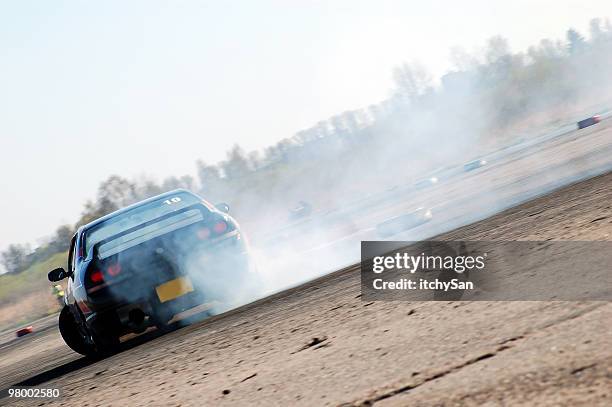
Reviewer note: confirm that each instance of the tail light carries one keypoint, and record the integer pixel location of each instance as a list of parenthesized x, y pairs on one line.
[(114, 269), (218, 228), (96, 277)]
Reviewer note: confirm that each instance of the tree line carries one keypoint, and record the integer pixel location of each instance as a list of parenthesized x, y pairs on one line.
[(487, 91)]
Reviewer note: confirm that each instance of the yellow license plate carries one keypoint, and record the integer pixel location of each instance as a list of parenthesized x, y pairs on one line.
[(174, 288)]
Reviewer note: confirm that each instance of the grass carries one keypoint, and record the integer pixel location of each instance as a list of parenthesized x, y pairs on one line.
[(27, 296)]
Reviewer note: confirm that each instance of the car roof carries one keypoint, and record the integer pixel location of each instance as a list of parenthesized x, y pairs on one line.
[(133, 206)]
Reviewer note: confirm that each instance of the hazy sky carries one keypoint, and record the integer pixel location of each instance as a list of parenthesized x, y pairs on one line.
[(89, 89)]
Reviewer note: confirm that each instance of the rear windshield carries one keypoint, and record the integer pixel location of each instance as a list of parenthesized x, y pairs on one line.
[(141, 215)]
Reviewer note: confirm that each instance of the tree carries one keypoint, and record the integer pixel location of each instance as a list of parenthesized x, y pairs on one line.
[(208, 177), (338, 126), (255, 160), (61, 240), (171, 183), (303, 137), (237, 164), (497, 50), (94, 210), (576, 42), (146, 188), (322, 129), (462, 60), (113, 193), (350, 121), (14, 258), (411, 80), (118, 191), (595, 30), (187, 182), (546, 50)]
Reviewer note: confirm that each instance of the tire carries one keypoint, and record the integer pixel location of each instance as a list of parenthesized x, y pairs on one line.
[(101, 346), (105, 345), (71, 335)]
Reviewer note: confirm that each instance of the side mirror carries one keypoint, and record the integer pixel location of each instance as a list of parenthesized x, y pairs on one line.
[(223, 207), (57, 274)]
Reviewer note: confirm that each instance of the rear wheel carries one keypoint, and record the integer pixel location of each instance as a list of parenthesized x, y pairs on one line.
[(97, 346), (106, 345), (71, 334), (105, 335)]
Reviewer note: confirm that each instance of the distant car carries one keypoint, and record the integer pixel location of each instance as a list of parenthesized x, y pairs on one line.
[(425, 183), (404, 222), (24, 331), (472, 165), (589, 122), (141, 265)]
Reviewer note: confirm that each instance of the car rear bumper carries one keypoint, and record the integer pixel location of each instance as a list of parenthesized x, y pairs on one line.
[(136, 316), (207, 277)]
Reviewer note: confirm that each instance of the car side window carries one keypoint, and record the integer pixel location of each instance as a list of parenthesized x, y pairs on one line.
[(72, 255)]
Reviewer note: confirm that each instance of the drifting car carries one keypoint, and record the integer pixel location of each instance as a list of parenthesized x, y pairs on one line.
[(142, 265), (403, 222), (589, 122), (472, 165)]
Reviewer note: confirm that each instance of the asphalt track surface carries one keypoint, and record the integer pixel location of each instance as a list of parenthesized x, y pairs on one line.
[(320, 344)]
